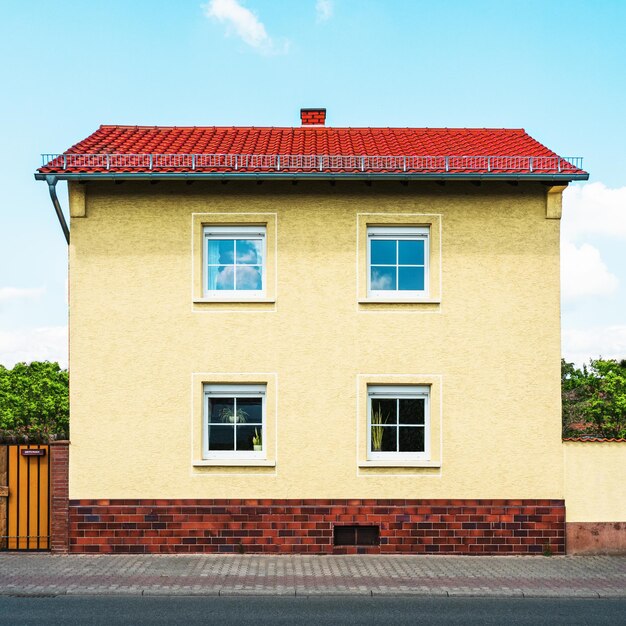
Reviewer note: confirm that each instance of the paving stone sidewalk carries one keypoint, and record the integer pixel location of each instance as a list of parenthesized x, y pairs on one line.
[(568, 576)]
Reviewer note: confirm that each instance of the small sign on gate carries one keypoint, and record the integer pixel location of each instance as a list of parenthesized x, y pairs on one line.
[(29, 452)]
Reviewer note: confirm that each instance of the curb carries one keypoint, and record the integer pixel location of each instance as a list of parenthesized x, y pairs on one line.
[(226, 593)]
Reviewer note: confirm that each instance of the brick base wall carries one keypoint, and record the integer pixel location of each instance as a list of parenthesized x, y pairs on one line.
[(59, 496), (306, 526)]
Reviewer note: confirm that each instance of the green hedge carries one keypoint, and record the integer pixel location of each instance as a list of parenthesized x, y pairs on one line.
[(594, 399), (34, 402)]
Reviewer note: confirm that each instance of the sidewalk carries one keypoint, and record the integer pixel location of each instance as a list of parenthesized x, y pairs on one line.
[(567, 576)]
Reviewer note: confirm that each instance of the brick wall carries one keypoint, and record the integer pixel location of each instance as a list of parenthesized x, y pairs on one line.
[(310, 117), (306, 526), (59, 496)]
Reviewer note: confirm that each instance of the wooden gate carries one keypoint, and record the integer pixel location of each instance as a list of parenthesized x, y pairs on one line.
[(24, 497)]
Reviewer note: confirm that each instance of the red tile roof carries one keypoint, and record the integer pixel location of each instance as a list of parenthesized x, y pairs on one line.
[(160, 149), (595, 439)]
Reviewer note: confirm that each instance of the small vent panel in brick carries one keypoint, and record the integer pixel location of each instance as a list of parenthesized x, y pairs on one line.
[(356, 535)]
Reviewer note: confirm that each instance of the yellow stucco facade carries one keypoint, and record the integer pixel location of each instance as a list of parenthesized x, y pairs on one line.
[(143, 340)]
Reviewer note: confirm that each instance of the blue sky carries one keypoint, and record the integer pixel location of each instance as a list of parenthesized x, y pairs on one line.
[(554, 68)]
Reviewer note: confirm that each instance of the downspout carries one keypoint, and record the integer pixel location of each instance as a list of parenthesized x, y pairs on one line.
[(52, 181)]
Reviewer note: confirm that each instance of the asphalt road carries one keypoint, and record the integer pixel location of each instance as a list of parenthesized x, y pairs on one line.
[(112, 610)]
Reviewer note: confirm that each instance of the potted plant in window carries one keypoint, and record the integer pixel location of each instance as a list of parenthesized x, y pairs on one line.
[(228, 415), (256, 441), (377, 430)]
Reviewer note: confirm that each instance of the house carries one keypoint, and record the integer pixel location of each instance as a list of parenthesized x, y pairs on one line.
[(314, 339)]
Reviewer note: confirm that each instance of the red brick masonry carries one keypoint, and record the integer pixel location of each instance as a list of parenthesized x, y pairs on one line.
[(312, 116), (59, 496), (306, 526)]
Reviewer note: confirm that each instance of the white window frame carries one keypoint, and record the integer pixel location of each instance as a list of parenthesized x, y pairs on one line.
[(399, 392), (398, 233), (233, 232), (233, 391)]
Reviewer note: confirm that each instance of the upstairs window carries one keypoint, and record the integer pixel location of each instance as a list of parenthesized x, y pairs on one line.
[(397, 262), (234, 261), (398, 422)]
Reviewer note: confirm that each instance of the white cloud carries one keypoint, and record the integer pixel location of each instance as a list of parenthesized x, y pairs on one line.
[(323, 10), (8, 294), (594, 209), (34, 344), (579, 345), (583, 272), (588, 210), (244, 22)]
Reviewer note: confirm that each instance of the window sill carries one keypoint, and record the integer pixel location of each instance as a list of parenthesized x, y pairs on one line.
[(399, 301), (234, 463), (233, 300), (400, 463)]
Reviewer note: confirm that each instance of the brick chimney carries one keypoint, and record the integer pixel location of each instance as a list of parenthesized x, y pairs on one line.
[(313, 117)]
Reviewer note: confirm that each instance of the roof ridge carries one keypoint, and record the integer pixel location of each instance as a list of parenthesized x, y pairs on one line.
[(591, 438), (342, 128)]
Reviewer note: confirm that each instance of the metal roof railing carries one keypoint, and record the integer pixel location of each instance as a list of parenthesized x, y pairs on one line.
[(309, 162)]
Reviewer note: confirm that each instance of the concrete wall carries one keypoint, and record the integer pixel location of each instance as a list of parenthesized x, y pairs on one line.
[(142, 344), (595, 497)]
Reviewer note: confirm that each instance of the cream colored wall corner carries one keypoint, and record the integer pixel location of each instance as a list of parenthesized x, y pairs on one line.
[(554, 202), (77, 195)]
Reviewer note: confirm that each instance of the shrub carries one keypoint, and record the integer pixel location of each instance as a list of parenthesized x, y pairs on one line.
[(34, 402), (594, 399)]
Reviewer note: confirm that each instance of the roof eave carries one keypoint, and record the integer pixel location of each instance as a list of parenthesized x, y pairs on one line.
[(561, 177)]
